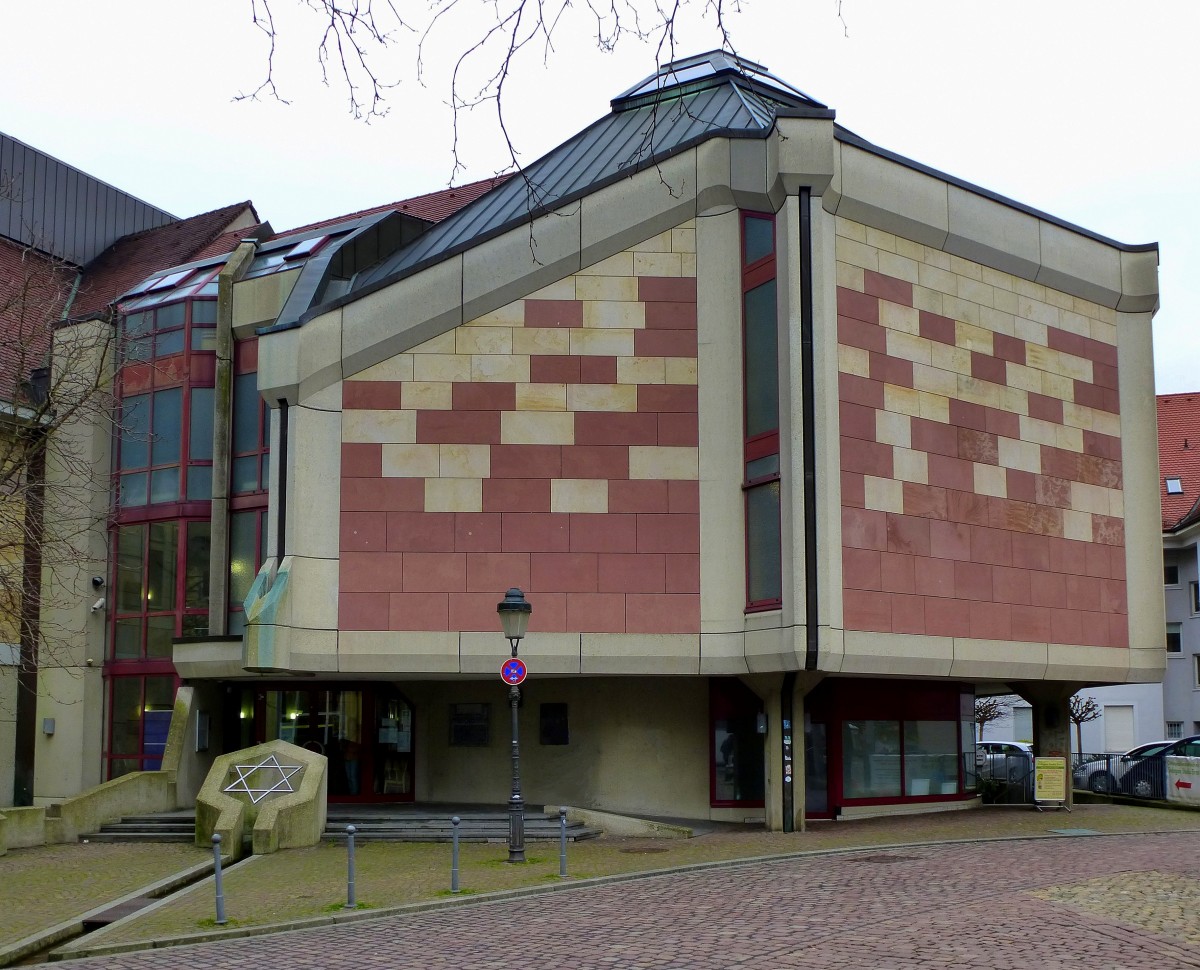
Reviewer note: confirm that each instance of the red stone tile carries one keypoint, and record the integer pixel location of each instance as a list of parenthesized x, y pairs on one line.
[(516, 495), (934, 577), (360, 532), (967, 415), (1105, 376), (853, 332), (908, 534), (1108, 529), (908, 613), (991, 621), (966, 506), (597, 370), (362, 460), (1048, 490), (1094, 628), (553, 369), (418, 611), (639, 496), (675, 532), (609, 428), (371, 395), (1008, 348), (667, 397), (1066, 626), (549, 614), (245, 356), (1116, 562), (476, 611), (857, 306), (370, 572), (867, 611), (136, 377), (897, 573), (363, 611), (526, 461), (202, 370), (888, 288), (683, 496), (950, 540), (857, 421), (497, 571), (431, 572), (683, 573), (987, 368), (1062, 464), (926, 501), (632, 573), (458, 427), (562, 572), (483, 396), (1031, 624), (1097, 560), (1021, 486), (1113, 596), (936, 327), (383, 494), (666, 315), (1086, 347), (664, 343), (476, 532), (1023, 517), (978, 446), (1048, 589), (662, 613), (1101, 445), (1068, 556), (1091, 396), (554, 313), (1030, 551), (973, 581), (947, 617), (418, 531), (860, 390), (864, 529), (1011, 585), (665, 289), (867, 457), (596, 612), (602, 461), (934, 437), (1101, 471), (1045, 408), (1002, 423), (854, 490), (603, 532), (678, 429), (1083, 593), (535, 532), (860, 568), (992, 546), (891, 370), (1118, 630), (952, 473)]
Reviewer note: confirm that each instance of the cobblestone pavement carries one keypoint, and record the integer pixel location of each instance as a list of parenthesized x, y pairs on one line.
[(1115, 901)]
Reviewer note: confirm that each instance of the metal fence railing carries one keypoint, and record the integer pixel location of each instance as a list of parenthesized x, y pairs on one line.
[(1005, 779), (1117, 774)]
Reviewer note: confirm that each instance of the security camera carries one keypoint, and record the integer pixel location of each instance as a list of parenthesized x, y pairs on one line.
[(97, 582), (98, 605)]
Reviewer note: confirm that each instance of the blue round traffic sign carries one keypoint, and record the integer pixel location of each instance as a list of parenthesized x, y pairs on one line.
[(513, 672)]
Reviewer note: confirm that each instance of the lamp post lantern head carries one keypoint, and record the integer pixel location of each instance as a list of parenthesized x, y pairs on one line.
[(514, 613)]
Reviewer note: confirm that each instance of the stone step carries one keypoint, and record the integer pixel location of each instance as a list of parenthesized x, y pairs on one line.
[(133, 835)]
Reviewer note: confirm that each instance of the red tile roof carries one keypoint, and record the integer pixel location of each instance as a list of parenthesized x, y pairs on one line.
[(1179, 457), (33, 291)]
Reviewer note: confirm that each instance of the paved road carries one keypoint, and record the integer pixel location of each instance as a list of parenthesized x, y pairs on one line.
[(1097, 902)]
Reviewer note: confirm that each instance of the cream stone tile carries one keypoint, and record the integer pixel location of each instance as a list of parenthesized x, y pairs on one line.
[(453, 495), (941, 280), (1075, 323), (508, 316), (541, 340), (1055, 385), (975, 291), (1014, 400), (959, 309), (967, 336), (541, 397), (483, 340), (681, 370), (1006, 301), (1056, 362), (997, 321), (996, 278), (850, 229), (465, 461), (902, 400), (398, 368), (1035, 429), (619, 264), (578, 495), (978, 392), (854, 360), (884, 494), (1024, 456), (379, 426), (657, 264), (1037, 309), (910, 466), (1104, 332), (912, 250), (602, 397), (908, 347), (602, 343), (934, 380), (1094, 310), (935, 258), (1026, 378), (934, 407), (427, 395), (609, 315), (659, 462), (899, 267), (563, 289), (1078, 416), (411, 461), (926, 299), (1061, 300), (1029, 289), (902, 319), (1069, 439), (880, 239), (1106, 423), (688, 265), (537, 428), (990, 480), (893, 429), (856, 253), (955, 360), (511, 368), (683, 239), (1116, 503), (614, 288), (1090, 498), (442, 367), (1077, 525), (851, 277), (443, 343), (659, 243), (965, 269), (641, 370), (1031, 332)]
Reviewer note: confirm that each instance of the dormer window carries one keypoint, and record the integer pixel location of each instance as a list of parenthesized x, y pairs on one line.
[(1174, 486)]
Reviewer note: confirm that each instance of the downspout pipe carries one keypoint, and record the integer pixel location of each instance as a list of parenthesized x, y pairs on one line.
[(808, 423)]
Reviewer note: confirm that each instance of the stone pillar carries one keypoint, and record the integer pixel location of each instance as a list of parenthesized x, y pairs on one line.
[(1051, 703)]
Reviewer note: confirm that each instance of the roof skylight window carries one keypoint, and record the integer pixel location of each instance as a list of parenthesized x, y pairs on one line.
[(1174, 486), (168, 282), (306, 248)]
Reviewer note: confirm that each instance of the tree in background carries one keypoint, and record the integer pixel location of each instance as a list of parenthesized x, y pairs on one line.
[(988, 710), (1083, 711)]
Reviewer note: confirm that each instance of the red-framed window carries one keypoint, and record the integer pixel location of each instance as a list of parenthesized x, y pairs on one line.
[(247, 552), (761, 485), (140, 707), (250, 468)]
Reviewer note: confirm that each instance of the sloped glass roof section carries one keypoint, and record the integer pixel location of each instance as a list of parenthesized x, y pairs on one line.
[(674, 109)]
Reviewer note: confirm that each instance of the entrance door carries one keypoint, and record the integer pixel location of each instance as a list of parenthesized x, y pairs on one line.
[(736, 766)]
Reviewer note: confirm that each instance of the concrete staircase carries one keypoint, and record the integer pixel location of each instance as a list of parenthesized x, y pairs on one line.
[(160, 827)]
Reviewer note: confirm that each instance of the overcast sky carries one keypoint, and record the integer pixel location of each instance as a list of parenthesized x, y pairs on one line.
[(1082, 109)]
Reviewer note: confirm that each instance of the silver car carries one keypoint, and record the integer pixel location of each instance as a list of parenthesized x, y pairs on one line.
[(1100, 774), (1004, 760)]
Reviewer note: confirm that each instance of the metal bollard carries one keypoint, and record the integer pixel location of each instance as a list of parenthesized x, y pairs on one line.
[(216, 844), (350, 902), (562, 843), (454, 856)]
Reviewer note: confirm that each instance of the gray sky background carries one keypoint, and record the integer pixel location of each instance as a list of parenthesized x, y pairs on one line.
[(1082, 109)]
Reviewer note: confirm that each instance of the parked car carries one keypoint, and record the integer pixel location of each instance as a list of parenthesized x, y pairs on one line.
[(1146, 776), (1004, 760), (1100, 774)]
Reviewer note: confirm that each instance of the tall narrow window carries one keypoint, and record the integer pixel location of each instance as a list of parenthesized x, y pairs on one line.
[(760, 376)]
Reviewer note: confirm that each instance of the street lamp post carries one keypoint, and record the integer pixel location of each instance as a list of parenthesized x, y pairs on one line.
[(514, 613)]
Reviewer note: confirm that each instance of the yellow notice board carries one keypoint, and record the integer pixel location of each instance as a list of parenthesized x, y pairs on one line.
[(1049, 779)]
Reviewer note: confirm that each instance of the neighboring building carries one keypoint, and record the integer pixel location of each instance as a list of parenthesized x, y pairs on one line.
[(794, 445)]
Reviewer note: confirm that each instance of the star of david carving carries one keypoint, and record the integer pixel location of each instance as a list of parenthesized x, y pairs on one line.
[(251, 785)]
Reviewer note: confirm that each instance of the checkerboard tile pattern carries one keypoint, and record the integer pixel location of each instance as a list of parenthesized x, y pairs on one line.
[(981, 455), (551, 444)]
